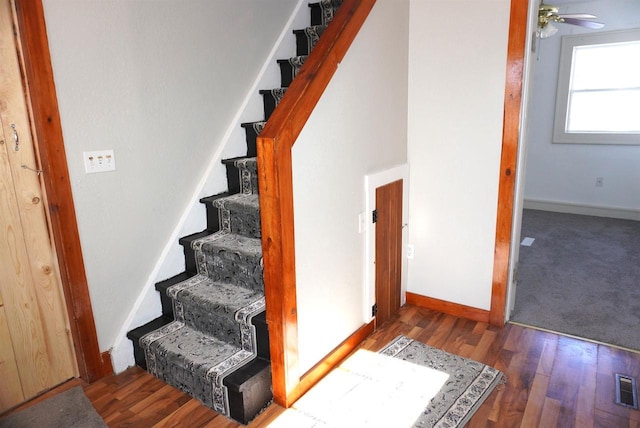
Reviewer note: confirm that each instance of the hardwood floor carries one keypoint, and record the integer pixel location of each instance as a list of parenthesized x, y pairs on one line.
[(552, 380)]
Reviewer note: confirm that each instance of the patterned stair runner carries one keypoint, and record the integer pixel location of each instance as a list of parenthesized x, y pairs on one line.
[(214, 302)]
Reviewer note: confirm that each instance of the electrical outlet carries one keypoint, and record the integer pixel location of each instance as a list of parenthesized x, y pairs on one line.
[(99, 161), (599, 181)]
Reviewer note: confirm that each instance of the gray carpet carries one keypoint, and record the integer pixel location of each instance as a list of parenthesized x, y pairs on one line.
[(470, 382), (69, 409), (580, 277)]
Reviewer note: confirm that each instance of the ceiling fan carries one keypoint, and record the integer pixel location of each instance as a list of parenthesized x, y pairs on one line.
[(548, 13)]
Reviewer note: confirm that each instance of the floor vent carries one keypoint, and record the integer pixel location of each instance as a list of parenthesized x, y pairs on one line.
[(626, 391)]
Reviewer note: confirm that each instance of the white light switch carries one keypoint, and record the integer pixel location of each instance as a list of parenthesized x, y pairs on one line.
[(99, 161)]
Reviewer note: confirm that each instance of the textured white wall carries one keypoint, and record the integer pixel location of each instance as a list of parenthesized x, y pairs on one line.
[(357, 128), (457, 68), (159, 82), (566, 173)]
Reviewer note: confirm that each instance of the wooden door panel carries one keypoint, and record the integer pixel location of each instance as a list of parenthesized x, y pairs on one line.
[(30, 284), (11, 390), (388, 249)]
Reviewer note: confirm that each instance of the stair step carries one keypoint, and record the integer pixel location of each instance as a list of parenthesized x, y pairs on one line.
[(193, 362), (243, 171), (161, 287), (252, 130), (323, 12), (270, 99), (189, 253), (289, 69), (227, 257), (249, 390), (138, 332), (218, 309), (307, 38), (240, 214), (213, 215), (217, 348), (262, 334)]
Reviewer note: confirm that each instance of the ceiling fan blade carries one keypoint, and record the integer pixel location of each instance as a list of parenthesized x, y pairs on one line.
[(586, 24), (577, 15)]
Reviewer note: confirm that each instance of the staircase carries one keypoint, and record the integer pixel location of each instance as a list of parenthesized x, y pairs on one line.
[(212, 339)]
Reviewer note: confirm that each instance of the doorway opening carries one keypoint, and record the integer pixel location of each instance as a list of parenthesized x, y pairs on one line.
[(553, 188)]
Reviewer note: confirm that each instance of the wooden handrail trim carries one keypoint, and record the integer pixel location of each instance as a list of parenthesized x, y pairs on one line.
[(307, 88), (276, 192)]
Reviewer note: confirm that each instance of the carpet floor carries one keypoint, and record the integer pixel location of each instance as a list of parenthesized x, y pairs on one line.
[(69, 409), (580, 277)]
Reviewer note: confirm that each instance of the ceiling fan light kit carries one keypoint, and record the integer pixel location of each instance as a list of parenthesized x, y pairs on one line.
[(547, 14)]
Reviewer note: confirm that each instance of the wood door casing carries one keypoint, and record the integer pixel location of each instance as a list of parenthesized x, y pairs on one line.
[(388, 257), (33, 305)]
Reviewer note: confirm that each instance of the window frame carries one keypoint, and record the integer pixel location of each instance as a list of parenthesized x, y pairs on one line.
[(560, 136)]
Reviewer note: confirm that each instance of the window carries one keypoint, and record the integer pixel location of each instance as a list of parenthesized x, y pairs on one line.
[(598, 97)]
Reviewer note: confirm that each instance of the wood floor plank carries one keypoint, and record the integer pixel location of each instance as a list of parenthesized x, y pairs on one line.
[(551, 380), (533, 411), (550, 415), (192, 414)]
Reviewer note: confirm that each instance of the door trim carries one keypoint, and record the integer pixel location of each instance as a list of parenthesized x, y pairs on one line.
[(510, 132), (49, 146)]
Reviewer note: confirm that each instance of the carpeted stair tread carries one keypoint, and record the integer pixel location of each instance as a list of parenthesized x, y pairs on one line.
[(239, 199), (270, 99), (193, 362), (323, 11), (307, 38), (138, 332), (244, 172), (187, 248), (213, 215), (231, 242), (252, 130), (227, 257), (240, 214), (161, 287), (219, 309), (289, 69), (224, 299)]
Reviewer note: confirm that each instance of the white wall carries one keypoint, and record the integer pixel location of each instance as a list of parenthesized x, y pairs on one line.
[(159, 82), (358, 128), (457, 68), (566, 173)]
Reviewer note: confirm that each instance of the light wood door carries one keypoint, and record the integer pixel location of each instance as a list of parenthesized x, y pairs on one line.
[(36, 350), (388, 250)]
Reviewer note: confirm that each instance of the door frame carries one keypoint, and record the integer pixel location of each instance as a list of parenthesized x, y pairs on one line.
[(49, 148), (371, 183), (516, 50)]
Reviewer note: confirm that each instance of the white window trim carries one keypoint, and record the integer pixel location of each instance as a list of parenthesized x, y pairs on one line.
[(564, 74)]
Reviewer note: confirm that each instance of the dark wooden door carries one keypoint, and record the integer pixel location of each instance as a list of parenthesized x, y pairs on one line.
[(388, 249)]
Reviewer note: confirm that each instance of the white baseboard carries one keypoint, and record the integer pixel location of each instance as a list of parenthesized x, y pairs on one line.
[(593, 210)]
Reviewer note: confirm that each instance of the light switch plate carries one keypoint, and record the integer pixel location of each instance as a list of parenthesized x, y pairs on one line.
[(99, 161)]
